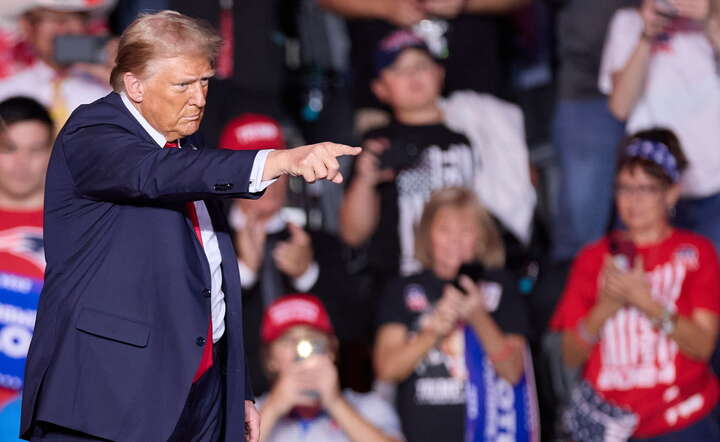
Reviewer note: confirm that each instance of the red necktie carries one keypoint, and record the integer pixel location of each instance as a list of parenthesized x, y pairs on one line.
[(206, 360)]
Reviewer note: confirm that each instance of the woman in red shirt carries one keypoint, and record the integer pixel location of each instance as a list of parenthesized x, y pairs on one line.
[(640, 312)]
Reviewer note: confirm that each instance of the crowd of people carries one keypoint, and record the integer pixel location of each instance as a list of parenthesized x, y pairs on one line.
[(451, 288)]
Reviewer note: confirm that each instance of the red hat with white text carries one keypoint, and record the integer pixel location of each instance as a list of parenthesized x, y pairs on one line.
[(293, 310), (252, 132)]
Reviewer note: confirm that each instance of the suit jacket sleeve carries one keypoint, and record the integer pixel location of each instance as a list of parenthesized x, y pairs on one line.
[(108, 162)]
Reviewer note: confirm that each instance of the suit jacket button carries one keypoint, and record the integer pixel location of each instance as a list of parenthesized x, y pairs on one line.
[(200, 341), (206, 293), (222, 187)]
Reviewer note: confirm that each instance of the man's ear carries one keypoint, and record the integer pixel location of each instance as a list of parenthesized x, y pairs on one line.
[(134, 87), (380, 90)]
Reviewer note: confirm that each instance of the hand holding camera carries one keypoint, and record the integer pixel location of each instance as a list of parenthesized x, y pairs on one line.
[(368, 168), (92, 54)]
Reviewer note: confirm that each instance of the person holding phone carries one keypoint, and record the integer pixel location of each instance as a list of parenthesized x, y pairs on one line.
[(54, 79), (639, 315), (278, 253), (660, 68), (305, 401), (420, 342)]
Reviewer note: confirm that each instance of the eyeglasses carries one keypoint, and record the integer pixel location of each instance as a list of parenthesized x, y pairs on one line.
[(640, 189)]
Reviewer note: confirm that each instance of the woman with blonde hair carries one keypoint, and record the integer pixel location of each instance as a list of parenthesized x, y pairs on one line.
[(421, 344)]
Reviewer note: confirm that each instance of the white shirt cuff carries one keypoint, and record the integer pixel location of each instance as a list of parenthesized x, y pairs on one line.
[(256, 174), (247, 276), (307, 280)]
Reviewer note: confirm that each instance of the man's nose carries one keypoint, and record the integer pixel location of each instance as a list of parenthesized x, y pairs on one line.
[(198, 95)]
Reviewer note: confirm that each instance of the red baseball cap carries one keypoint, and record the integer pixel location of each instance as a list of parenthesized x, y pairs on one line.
[(292, 310), (252, 132)]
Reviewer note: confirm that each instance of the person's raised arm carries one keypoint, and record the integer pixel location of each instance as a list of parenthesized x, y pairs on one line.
[(360, 209), (108, 163), (628, 84), (313, 162)]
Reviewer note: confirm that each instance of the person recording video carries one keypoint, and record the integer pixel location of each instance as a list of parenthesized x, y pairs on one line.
[(60, 35), (660, 69), (470, 140), (305, 401)]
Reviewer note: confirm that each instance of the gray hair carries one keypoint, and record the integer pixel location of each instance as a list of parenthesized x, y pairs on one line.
[(163, 34)]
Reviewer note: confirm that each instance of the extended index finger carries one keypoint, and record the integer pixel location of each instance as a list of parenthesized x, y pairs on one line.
[(339, 150)]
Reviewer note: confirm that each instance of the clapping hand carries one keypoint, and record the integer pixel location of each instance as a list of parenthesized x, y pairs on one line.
[(625, 287), (447, 313)]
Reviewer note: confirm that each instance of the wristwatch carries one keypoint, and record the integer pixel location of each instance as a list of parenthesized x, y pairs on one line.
[(667, 322)]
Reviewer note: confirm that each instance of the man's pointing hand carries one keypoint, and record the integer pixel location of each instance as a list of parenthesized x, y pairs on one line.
[(313, 162)]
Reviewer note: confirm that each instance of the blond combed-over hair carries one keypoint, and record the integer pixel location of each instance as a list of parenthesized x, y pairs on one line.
[(489, 249), (159, 35)]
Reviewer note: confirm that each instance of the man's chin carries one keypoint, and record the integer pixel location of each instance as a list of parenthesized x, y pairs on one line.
[(189, 128)]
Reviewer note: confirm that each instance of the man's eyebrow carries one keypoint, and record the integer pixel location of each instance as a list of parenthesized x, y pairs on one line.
[(189, 80)]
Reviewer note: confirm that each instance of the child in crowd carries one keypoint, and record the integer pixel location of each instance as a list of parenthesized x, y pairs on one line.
[(421, 344), (305, 401), (470, 140)]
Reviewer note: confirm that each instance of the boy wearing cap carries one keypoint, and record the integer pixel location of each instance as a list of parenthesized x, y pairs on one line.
[(469, 140), (305, 402)]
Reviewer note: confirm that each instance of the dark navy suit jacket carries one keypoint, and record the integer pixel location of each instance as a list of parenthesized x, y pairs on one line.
[(126, 294)]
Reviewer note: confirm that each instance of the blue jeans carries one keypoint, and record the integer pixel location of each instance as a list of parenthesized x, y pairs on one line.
[(701, 215), (586, 138), (706, 429)]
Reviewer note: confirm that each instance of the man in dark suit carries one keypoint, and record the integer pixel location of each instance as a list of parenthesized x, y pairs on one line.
[(138, 334)]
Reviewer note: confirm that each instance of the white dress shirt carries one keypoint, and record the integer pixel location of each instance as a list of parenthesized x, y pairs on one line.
[(210, 243)]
